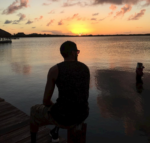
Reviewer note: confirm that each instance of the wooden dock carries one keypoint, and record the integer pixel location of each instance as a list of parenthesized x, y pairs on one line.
[(15, 126), (5, 41)]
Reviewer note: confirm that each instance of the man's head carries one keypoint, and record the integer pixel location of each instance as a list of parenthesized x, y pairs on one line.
[(69, 51)]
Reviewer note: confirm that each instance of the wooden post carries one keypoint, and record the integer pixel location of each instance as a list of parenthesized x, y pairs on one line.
[(77, 135)]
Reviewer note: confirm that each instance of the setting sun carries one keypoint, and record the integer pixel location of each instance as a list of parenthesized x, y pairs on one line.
[(79, 29)]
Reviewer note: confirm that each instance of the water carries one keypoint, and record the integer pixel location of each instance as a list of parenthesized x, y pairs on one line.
[(24, 65)]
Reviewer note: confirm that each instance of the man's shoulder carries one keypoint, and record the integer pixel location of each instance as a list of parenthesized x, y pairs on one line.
[(84, 65), (55, 67), (85, 68)]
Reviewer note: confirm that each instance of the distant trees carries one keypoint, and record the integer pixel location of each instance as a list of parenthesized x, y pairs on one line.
[(21, 34)]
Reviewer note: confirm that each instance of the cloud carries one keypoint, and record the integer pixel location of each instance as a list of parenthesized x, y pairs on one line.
[(29, 22), (93, 18), (50, 22), (33, 27), (79, 19), (22, 16), (136, 16), (111, 13), (102, 19), (117, 2), (53, 31), (123, 10), (60, 22), (94, 22), (58, 32), (67, 4), (15, 22), (62, 12), (113, 7), (46, 4), (41, 17), (51, 12), (147, 3), (73, 17), (54, 0), (14, 7), (82, 18), (94, 14), (8, 21), (100, 2)]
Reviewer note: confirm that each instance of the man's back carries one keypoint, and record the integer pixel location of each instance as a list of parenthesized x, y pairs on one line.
[(73, 86)]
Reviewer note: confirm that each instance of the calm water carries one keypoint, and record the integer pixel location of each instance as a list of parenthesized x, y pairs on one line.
[(24, 65)]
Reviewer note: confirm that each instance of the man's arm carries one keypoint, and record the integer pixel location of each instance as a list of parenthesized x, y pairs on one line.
[(50, 86)]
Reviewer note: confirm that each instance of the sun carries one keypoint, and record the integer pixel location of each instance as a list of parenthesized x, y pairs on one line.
[(79, 29), (80, 34)]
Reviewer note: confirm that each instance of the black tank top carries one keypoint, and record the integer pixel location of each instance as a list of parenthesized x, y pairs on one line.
[(73, 85)]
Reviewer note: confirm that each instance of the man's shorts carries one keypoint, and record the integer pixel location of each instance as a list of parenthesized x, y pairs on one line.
[(39, 116)]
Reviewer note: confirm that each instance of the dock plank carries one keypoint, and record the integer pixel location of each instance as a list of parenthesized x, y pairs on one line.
[(13, 127), (13, 120), (14, 112), (5, 106), (14, 133), (18, 135), (27, 135), (4, 103), (10, 115), (8, 110), (5, 113), (40, 135)]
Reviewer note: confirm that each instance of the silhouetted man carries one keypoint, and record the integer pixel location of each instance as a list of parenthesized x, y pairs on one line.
[(71, 108), (139, 75), (139, 71)]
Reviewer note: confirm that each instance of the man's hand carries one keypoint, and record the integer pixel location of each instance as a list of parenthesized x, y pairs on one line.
[(48, 104)]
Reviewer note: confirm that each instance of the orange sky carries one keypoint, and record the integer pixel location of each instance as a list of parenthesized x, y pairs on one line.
[(75, 17)]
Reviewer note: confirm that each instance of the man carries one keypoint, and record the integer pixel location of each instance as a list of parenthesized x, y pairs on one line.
[(139, 71), (139, 75), (71, 108)]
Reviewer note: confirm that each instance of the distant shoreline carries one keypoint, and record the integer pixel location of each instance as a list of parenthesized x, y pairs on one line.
[(48, 35)]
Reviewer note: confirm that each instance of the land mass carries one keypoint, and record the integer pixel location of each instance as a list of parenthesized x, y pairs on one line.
[(51, 35)]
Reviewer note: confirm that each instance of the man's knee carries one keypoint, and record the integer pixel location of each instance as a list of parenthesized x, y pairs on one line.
[(33, 109)]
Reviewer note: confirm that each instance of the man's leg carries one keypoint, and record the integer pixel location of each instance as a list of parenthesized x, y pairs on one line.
[(39, 117), (56, 129)]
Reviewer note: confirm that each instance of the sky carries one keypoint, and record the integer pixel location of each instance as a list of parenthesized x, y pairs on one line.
[(75, 17)]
